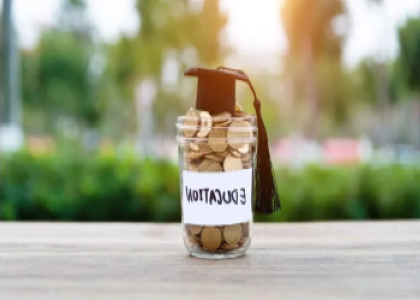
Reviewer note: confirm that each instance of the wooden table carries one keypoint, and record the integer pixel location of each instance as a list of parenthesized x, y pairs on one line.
[(92, 261)]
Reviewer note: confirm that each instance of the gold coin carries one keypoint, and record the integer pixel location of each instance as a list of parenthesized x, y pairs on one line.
[(244, 149), (193, 168), (195, 240), (193, 155), (243, 241), (246, 157), (195, 229), (246, 165), (203, 166), (205, 148), (227, 246), (223, 124), (187, 160), (214, 157), (232, 163), (194, 147), (206, 124), (191, 123), (217, 140), (246, 229), (242, 114), (238, 107), (234, 152), (222, 154), (211, 237), (239, 130), (214, 167), (232, 233), (221, 117)]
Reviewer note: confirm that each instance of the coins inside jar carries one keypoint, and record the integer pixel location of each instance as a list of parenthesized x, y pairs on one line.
[(218, 239), (218, 143)]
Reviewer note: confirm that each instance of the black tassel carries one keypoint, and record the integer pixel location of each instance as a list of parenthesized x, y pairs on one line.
[(267, 200)]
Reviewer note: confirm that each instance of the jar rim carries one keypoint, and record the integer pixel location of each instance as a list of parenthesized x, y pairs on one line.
[(250, 119), (186, 140)]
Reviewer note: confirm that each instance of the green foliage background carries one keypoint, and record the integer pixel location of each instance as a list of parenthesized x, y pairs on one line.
[(74, 83), (107, 187)]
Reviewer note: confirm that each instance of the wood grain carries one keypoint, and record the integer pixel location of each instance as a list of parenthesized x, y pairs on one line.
[(361, 260)]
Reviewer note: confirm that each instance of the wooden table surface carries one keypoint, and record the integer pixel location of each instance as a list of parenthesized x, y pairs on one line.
[(364, 260)]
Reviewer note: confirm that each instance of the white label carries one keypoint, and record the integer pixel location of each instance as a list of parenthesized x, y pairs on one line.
[(217, 198)]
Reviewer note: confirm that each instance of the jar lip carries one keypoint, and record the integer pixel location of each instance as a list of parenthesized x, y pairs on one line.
[(251, 129), (186, 140), (251, 119)]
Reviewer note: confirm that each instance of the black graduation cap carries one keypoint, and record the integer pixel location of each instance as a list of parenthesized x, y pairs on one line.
[(215, 94), (216, 88)]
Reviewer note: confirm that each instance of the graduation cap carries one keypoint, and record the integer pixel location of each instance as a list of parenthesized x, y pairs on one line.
[(215, 94), (216, 88)]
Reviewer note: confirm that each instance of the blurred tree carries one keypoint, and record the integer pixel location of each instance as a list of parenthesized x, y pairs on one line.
[(60, 77), (206, 39), (1, 68), (172, 35), (313, 32), (379, 68), (407, 72), (408, 61)]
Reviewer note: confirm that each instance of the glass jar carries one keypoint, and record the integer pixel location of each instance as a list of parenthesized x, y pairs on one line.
[(216, 159)]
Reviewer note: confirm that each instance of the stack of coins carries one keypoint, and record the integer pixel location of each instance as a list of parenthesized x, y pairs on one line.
[(218, 239), (219, 143)]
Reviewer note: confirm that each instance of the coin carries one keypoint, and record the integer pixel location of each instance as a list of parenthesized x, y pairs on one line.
[(193, 155), (246, 229), (217, 140), (195, 240), (238, 130), (187, 160), (246, 157), (242, 114), (223, 124), (234, 152), (214, 157), (211, 237), (193, 168), (204, 148), (246, 165), (206, 124), (222, 154), (194, 147), (204, 165), (232, 163), (227, 246), (190, 123), (195, 229), (221, 117), (232, 233), (214, 167), (244, 149), (243, 241)]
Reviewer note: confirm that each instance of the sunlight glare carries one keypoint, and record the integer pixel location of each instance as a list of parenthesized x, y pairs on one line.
[(254, 25)]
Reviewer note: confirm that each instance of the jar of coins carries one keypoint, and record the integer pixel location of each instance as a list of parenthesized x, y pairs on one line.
[(216, 156), (221, 171)]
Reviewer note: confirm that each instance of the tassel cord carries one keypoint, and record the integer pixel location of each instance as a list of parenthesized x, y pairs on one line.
[(267, 200)]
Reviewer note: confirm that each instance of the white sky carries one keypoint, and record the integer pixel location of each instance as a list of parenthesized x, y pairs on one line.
[(253, 26)]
